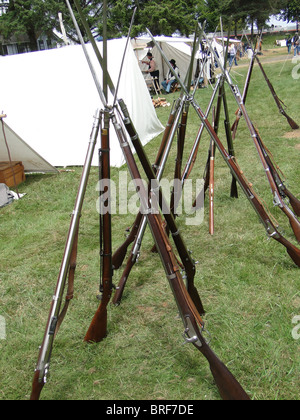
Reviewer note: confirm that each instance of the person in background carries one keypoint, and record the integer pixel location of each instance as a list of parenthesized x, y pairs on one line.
[(152, 69), (296, 44), (167, 84), (232, 53), (289, 44)]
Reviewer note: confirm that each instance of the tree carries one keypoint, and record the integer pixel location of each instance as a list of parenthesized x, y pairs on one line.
[(291, 11), (162, 17), (36, 17), (253, 12)]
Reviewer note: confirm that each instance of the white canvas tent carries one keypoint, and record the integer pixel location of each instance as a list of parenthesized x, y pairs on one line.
[(177, 48), (14, 148), (50, 100)]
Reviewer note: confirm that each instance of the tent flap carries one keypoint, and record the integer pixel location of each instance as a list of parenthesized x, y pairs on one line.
[(14, 148)]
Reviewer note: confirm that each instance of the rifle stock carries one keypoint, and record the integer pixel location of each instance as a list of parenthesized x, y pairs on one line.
[(120, 253), (295, 203), (98, 327), (279, 103), (37, 386), (229, 388), (121, 286)]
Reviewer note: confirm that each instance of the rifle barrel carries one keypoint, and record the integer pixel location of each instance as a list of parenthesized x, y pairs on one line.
[(42, 368)]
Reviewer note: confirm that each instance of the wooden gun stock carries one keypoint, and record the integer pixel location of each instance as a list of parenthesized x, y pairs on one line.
[(120, 254), (37, 387), (293, 252), (292, 123), (235, 126), (295, 203), (121, 286), (98, 327), (229, 388), (279, 103)]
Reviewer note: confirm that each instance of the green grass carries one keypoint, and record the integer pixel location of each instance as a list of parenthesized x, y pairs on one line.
[(249, 285)]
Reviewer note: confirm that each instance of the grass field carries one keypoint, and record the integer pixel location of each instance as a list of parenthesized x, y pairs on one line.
[(248, 284)]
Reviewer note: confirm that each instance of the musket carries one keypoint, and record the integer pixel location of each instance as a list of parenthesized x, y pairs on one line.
[(229, 387), (121, 252), (137, 143), (293, 252), (280, 104), (98, 327), (158, 170), (211, 188), (245, 94), (234, 192), (216, 129), (294, 222), (181, 110), (283, 190), (278, 101), (266, 220), (212, 180), (188, 263), (43, 364), (246, 89), (184, 118), (179, 157), (194, 152)]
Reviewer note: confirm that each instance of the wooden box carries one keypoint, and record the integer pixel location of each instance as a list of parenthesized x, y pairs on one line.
[(11, 173)]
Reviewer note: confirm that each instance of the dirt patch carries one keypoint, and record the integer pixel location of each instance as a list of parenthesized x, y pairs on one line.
[(297, 146), (295, 134)]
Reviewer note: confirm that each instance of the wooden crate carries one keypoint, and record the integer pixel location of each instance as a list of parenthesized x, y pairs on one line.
[(11, 173)]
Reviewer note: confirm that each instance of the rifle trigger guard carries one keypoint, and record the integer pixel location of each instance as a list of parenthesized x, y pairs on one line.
[(190, 334)]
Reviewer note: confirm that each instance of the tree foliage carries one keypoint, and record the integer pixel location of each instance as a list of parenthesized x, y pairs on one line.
[(36, 17), (291, 11), (162, 17)]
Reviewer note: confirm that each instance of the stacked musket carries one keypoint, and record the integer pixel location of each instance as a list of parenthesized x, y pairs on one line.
[(162, 223)]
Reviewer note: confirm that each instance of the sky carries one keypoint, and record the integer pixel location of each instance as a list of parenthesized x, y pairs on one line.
[(276, 22)]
